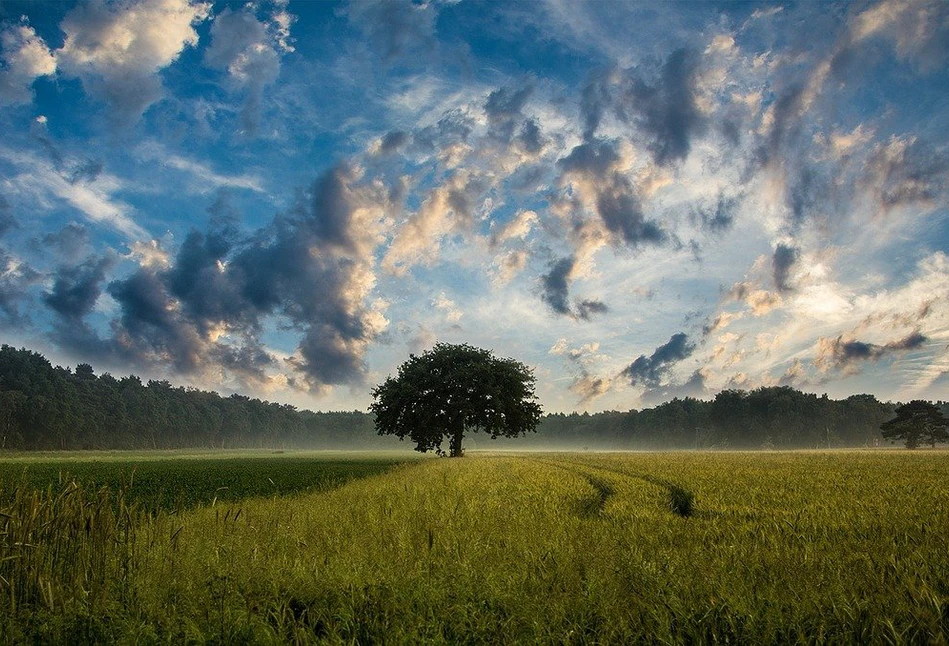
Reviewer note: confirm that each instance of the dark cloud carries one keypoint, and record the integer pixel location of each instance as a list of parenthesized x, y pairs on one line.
[(393, 141), (586, 309), (205, 310), (595, 158), (844, 355), (555, 292), (651, 370), (664, 109), (616, 200), (530, 138), (207, 292), (667, 111), (781, 262), (621, 209), (594, 102), (909, 342), (77, 288), (556, 286), (506, 122)]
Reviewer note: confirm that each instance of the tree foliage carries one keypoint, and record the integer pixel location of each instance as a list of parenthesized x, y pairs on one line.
[(453, 389), (916, 423), (46, 407)]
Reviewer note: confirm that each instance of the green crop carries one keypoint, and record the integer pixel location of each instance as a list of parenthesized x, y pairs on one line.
[(576, 548)]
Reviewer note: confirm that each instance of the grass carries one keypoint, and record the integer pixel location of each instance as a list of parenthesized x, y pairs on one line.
[(576, 548)]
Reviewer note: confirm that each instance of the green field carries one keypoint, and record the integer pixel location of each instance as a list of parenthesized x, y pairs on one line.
[(576, 548), (178, 480)]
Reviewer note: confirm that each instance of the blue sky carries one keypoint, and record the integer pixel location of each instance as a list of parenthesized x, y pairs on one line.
[(638, 200)]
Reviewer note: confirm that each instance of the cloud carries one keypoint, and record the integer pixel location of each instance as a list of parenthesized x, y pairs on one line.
[(69, 243), (667, 110), (589, 387), (40, 179), (695, 387), (905, 172), (509, 265), (596, 171), (390, 142), (117, 50), (918, 29), (503, 110), (664, 110), (718, 218), (449, 208), (518, 228), (15, 278), (202, 177), (452, 313), (781, 262), (201, 312), (651, 371), (77, 288), (720, 322), (555, 292), (759, 301), (845, 355), (555, 286), (587, 309), (395, 28), (25, 58), (248, 50)]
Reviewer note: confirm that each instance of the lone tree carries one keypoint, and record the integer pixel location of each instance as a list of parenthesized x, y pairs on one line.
[(454, 389), (917, 422)]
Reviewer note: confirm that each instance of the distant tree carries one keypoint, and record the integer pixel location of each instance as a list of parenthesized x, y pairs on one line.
[(454, 389), (917, 422)]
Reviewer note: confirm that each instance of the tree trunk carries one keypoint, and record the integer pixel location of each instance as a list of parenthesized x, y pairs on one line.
[(455, 445)]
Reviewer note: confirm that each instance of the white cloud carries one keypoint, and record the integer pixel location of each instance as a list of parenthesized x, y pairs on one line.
[(118, 49), (40, 180), (25, 58), (204, 179), (451, 311)]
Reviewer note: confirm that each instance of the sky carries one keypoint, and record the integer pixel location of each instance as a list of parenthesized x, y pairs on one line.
[(639, 201)]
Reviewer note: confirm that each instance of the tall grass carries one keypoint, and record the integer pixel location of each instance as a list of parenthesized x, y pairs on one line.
[(576, 548), (67, 550)]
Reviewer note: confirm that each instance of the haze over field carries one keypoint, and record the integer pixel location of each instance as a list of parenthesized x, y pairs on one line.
[(638, 200)]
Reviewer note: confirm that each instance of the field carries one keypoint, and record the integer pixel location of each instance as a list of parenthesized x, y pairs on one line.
[(575, 548)]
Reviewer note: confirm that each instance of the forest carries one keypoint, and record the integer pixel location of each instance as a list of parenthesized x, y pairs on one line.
[(43, 407)]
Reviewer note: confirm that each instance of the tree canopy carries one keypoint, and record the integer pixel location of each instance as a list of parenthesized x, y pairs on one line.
[(917, 422), (453, 389)]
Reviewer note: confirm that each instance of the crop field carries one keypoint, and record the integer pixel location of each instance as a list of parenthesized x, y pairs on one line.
[(177, 480), (565, 548)]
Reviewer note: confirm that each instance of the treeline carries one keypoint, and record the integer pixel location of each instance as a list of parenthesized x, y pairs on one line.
[(49, 408), (766, 418), (43, 407)]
